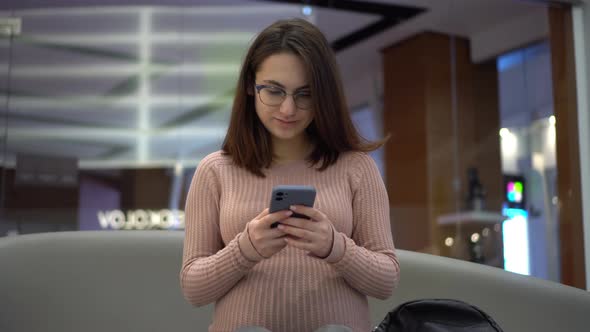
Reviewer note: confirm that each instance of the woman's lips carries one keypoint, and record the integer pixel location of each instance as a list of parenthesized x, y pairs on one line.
[(286, 122)]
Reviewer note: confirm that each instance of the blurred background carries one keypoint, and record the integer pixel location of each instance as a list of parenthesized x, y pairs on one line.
[(107, 107)]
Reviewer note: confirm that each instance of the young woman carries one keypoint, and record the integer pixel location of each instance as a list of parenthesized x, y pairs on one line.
[(289, 126)]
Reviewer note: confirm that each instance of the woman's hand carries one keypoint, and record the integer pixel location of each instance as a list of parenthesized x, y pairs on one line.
[(266, 240), (315, 236)]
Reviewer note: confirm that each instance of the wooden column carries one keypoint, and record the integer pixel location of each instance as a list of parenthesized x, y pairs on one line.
[(404, 117), (571, 234), (436, 135)]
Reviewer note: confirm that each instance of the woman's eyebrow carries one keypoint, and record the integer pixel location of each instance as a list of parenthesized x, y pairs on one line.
[(273, 82)]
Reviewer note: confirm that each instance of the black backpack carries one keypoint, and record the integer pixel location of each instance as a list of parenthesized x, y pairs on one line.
[(437, 315)]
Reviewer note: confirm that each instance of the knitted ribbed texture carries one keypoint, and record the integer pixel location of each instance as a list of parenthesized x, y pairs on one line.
[(291, 291)]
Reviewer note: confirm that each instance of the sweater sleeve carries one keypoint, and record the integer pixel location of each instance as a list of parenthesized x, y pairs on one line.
[(367, 261), (210, 269)]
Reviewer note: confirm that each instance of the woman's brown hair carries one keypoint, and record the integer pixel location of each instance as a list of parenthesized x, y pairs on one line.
[(331, 132)]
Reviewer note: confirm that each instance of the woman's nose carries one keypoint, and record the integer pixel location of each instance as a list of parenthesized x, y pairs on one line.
[(288, 106)]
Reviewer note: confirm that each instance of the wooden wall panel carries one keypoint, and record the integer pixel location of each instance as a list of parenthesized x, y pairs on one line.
[(571, 234), (442, 196), (38, 203), (487, 153), (405, 118), (146, 188), (428, 155)]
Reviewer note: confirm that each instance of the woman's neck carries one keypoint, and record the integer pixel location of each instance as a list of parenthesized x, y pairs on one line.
[(295, 149)]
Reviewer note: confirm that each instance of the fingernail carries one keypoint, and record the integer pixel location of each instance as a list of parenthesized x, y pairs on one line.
[(288, 213), (292, 207)]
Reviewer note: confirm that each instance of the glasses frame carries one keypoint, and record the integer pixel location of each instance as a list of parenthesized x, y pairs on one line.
[(260, 87)]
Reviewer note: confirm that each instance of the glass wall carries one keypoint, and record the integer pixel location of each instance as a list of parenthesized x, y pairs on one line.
[(111, 109), (9, 28), (528, 143), (107, 110), (471, 168)]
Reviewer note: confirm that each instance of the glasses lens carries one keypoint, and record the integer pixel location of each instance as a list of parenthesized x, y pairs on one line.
[(303, 101), (272, 96)]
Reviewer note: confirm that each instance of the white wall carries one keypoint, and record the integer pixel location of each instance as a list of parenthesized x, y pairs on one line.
[(525, 86), (367, 124), (509, 35)]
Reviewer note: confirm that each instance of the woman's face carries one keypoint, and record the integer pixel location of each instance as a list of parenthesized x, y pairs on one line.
[(279, 73)]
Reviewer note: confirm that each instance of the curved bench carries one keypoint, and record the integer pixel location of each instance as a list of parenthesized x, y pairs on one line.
[(108, 281)]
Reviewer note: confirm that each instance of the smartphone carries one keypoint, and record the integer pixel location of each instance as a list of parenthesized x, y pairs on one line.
[(284, 196)]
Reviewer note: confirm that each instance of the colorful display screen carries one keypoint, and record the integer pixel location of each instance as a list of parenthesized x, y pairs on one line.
[(514, 191)]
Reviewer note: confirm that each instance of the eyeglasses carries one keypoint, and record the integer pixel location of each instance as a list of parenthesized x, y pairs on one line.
[(274, 96)]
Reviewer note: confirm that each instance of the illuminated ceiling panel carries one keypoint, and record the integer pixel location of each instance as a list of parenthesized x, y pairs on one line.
[(153, 85), (131, 86)]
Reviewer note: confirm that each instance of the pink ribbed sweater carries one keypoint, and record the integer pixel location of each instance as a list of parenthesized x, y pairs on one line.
[(292, 290)]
